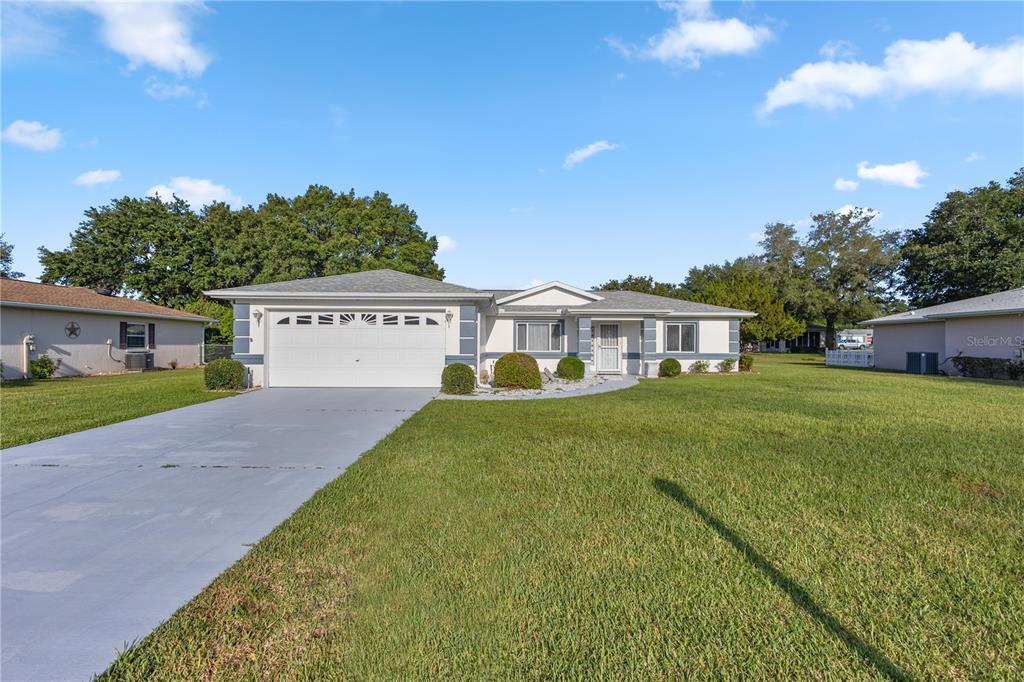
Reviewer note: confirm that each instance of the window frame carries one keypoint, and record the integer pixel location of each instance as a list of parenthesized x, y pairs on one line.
[(128, 336), (680, 351), (549, 324)]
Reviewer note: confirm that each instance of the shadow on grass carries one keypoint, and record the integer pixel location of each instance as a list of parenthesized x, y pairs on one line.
[(793, 590)]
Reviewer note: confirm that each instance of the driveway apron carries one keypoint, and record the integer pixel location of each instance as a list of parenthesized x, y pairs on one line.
[(106, 532)]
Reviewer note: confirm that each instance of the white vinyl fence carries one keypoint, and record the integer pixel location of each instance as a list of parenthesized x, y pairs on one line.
[(850, 358)]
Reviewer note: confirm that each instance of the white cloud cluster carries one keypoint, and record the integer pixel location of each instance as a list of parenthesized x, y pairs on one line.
[(906, 174), (97, 177), (844, 185), (197, 192), (697, 34), (583, 153), (950, 64), (838, 49), (34, 135), (155, 33), (445, 243)]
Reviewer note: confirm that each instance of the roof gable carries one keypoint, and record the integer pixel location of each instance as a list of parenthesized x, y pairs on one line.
[(550, 293)]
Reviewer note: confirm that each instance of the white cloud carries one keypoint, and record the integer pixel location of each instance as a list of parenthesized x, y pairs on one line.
[(838, 49), (583, 153), (97, 177), (445, 243), (972, 157), (906, 174), (844, 185), (196, 192), (947, 65), (34, 135), (26, 31), (696, 35), (535, 282), (155, 33), (161, 91)]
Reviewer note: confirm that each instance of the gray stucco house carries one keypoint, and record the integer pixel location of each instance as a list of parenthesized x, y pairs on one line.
[(387, 328), (923, 341)]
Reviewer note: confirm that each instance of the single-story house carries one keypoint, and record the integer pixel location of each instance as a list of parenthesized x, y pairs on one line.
[(88, 332), (387, 328), (922, 341), (811, 341)]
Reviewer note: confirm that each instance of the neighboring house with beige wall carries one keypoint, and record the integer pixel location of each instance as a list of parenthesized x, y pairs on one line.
[(923, 341), (386, 328), (86, 332)]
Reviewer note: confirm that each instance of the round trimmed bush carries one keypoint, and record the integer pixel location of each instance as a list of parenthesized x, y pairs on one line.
[(224, 375), (571, 368), (669, 367), (516, 370), (458, 379)]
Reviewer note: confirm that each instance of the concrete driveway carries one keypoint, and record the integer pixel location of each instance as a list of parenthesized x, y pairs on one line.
[(105, 533)]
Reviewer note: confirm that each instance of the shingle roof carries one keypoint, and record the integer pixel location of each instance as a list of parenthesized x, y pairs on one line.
[(1003, 302), (52, 295), (367, 282), (634, 300), (392, 282)]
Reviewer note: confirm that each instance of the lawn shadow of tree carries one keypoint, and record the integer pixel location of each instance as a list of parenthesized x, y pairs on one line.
[(797, 594)]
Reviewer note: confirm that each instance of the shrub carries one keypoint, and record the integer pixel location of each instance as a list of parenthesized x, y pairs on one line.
[(699, 367), (516, 370), (746, 362), (42, 367), (988, 368), (224, 375), (726, 365), (571, 368), (458, 379), (669, 367)]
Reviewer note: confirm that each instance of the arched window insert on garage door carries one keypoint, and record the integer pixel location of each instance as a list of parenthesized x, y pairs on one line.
[(285, 320), (303, 319), (325, 318)]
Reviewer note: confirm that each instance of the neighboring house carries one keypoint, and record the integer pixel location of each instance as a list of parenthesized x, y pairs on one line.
[(87, 332), (854, 339), (386, 328), (811, 341), (922, 341)]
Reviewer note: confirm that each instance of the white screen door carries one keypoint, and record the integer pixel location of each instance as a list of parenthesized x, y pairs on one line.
[(608, 348)]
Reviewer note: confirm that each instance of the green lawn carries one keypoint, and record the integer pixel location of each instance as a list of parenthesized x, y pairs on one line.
[(797, 522), (34, 410)]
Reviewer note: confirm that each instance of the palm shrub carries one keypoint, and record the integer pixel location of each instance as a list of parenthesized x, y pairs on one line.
[(570, 368), (458, 379), (699, 367), (669, 367), (726, 365), (516, 370), (746, 362), (224, 375)]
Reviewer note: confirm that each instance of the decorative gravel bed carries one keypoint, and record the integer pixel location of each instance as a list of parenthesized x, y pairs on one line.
[(555, 388)]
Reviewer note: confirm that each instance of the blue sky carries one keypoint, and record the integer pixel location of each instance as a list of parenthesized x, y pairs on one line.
[(571, 141)]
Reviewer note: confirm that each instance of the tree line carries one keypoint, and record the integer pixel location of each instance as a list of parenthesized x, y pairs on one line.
[(844, 270)]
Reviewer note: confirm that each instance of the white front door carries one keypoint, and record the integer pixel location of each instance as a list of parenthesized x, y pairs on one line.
[(355, 348), (608, 353)]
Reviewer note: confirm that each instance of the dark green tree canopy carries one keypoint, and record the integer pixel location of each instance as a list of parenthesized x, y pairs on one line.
[(643, 285), (751, 291), (972, 244), (7, 260), (168, 254)]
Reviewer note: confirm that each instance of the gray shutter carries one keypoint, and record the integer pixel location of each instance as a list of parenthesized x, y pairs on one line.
[(123, 340), (152, 335)]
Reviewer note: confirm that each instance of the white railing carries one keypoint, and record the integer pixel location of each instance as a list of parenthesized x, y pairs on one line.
[(850, 358)]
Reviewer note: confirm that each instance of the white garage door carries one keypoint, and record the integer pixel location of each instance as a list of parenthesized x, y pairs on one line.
[(339, 348)]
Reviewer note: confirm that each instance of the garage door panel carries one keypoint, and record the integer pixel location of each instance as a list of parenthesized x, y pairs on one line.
[(361, 352)]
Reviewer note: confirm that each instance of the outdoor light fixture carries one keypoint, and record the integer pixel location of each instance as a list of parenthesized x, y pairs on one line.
[(259, 316), (448, 317)]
